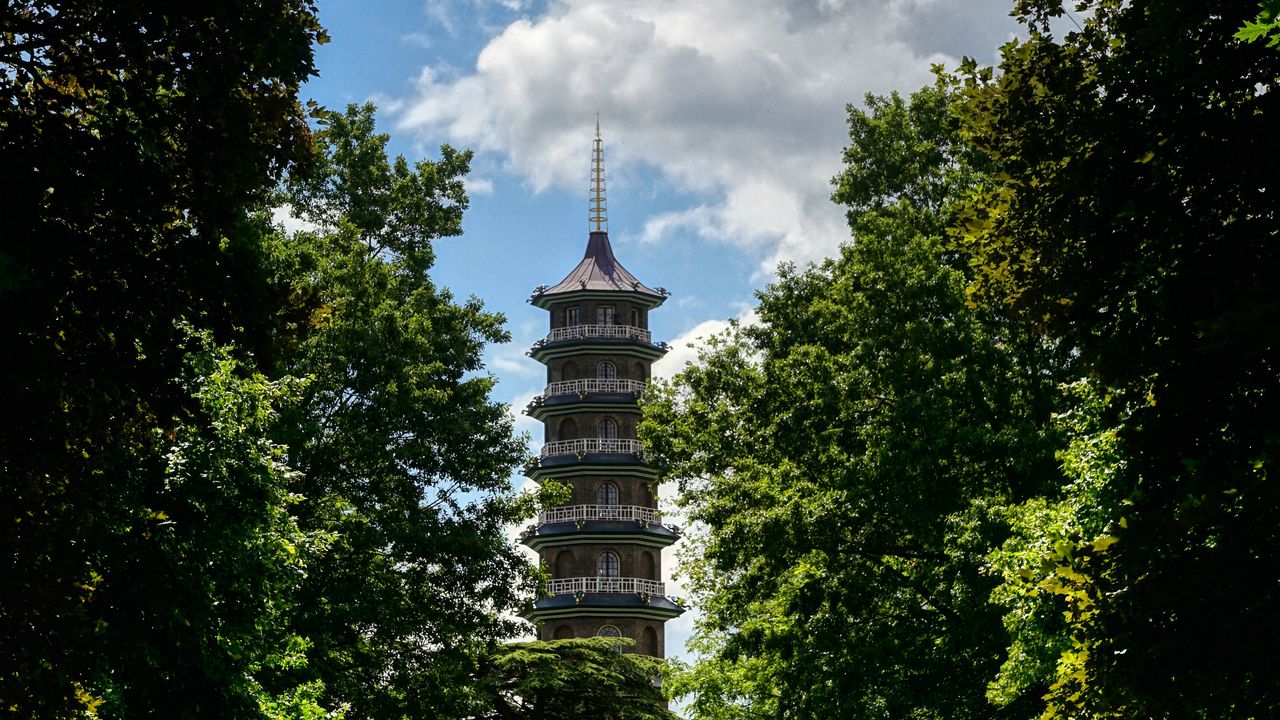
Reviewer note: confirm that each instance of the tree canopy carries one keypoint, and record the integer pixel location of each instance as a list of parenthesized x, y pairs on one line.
[(843, 456), (249, 473), (578, 679), (147, 534), (403, 457), (1135, 221), (1007, 455)]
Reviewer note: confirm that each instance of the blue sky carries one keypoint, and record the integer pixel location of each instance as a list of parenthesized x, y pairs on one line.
[(723, 123)]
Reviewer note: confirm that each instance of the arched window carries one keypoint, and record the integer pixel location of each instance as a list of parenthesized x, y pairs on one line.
[(607, 494), (607, 565), (564, 632), (607, 430), (606, 371), (611, 632)]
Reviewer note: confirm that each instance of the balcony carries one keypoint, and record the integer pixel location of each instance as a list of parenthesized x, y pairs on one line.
[(605, 585), (593, 385), (608, 332), (578, 524), (583, 446), (574, 513)]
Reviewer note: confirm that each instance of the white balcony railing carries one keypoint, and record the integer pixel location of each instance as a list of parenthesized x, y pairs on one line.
[(614, 585), (591, 445), (593, 385), (617, 332), (574, 513)]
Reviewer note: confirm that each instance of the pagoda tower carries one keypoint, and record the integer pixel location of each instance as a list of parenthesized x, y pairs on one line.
[(603, 548)]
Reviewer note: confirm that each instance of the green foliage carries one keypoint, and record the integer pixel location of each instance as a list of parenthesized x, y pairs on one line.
[(146, 531), (225, 492), (1266, 26), (1049, 562), (165, 555), (846, 455), (185, 595), (580, 679), (403, 456), (1134, 221), (724, 686)]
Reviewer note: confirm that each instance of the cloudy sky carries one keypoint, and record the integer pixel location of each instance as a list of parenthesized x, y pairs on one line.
[(723, 123)]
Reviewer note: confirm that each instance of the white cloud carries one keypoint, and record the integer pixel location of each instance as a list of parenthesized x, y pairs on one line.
[(283, 217), (737, 102), (417, 39), (478, 185), (685, 347), (511, 360)]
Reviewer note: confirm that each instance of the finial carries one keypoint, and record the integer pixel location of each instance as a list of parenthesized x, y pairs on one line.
[(597, 218)]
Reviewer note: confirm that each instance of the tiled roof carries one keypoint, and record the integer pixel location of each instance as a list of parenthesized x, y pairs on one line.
[(600, 270)]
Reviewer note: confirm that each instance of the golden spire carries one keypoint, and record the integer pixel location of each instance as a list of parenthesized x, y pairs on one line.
[(597, 218)]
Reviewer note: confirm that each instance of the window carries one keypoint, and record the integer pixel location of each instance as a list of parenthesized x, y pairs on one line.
[(611, 632), (607, 565), (635, 317), (606, 371), (607, 430), (604, 315), (607, 494), (572, 317)]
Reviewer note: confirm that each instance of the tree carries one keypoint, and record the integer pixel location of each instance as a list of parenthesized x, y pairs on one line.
[(145, 534), (404, 458), (580, 679), (845, 458), (1135, 221)]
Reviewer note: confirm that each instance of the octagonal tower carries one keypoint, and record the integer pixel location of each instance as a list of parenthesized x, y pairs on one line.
[(604, 548)]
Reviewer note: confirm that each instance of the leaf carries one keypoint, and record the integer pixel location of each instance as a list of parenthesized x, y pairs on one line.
[(1254, 30), (1104, 542)]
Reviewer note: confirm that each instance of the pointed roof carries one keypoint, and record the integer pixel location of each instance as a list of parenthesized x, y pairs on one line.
[(599, 271)]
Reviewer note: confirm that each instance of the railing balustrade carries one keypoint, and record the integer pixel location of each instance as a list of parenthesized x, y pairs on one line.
[(573, 513), (613, 585), (593, 385), (618, 332), (592, 445)]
